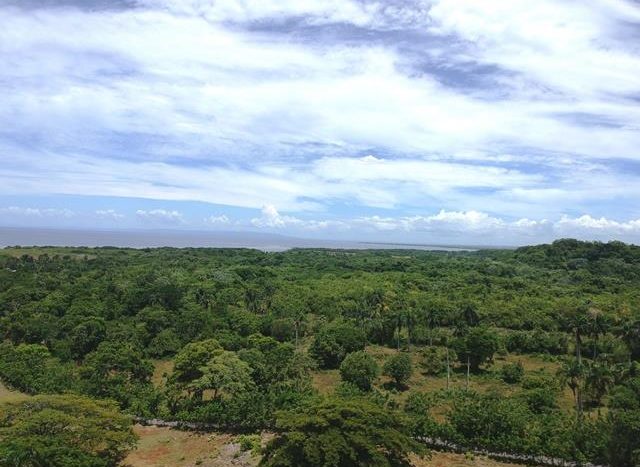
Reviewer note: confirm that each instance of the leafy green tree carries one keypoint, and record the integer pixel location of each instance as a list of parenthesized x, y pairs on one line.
[(166, 343), (224, 373), (192, 357), (399, 368), (31, 368), (477, 346), (333, 342), (63, 431), (86, 336), (341, 432), (115, 370), (360, 369), (624, 442)]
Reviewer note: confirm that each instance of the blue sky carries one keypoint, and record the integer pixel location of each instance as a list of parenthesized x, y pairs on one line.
[(430, 120)]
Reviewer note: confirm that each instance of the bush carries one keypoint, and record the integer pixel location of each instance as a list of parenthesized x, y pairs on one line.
[(399, 368), (512, 373), (166, 343), (360, 369), (537, 341), (283, 330), (63, 431), (332, 343), (624, 442), (31, 368), (250, 443), (434, 360), (345, 432), (478, 345), (540, 400)]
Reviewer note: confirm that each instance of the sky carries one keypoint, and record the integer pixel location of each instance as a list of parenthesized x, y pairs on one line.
[(434, 121)]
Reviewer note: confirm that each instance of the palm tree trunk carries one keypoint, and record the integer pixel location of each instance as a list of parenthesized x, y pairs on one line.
[(448, 369), (468, 367)]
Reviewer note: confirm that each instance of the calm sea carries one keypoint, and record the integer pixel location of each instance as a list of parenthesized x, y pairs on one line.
[(14, 236)]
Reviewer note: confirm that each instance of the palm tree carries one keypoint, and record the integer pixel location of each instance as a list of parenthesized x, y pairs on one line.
[(432, 317), (629, 332), (410, 318), (599, 379), (576, 321), (571, 373), (597, 325), (470, 315)]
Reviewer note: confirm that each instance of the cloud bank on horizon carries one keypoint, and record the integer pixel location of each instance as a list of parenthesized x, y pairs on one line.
[(425, 120)]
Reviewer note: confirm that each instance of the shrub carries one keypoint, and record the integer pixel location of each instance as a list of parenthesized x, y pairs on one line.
[(63, 430), (512, 373), (344, 432), (434, 359), (250, 443), (478, 345), (399, 368), (360, 369), (282, 330), (332, 343)]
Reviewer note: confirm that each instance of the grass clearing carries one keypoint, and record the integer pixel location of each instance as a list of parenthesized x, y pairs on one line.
[(164, 447), (9, 395)]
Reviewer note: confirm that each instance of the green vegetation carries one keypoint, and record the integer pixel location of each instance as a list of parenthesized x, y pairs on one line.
[(531, 351), (63, 431), (399, 368), (360, 369), (332, 432)]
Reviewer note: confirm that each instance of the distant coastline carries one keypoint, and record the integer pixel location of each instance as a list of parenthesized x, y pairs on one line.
[(36, 236)]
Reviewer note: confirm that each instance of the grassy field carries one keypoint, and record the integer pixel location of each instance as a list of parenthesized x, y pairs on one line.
[(164, 447), (326, 380), (8, 395)]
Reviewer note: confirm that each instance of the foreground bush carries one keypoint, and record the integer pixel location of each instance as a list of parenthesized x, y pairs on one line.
[(63, 431), (341, 432)]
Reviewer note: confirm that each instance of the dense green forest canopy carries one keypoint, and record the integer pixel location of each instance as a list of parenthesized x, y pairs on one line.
[(245, 331)]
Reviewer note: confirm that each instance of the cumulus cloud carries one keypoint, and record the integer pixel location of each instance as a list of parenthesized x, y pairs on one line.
[(515, 108), (111, 214), (586, 223), (217, 220), (161, 216), (271, 218), (12, 211)]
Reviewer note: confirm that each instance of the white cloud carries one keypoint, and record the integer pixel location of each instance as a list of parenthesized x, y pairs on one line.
[(473, 223), (271, 218), (111, 214), (217, 220), (270, 113), (586, 223), (325, 11), (452, 221), (161, 216), (12, 211)]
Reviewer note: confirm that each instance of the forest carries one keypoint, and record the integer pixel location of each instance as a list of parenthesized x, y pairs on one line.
[(367, 357)]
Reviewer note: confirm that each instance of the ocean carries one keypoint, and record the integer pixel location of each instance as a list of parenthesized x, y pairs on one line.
[(23, 236)]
